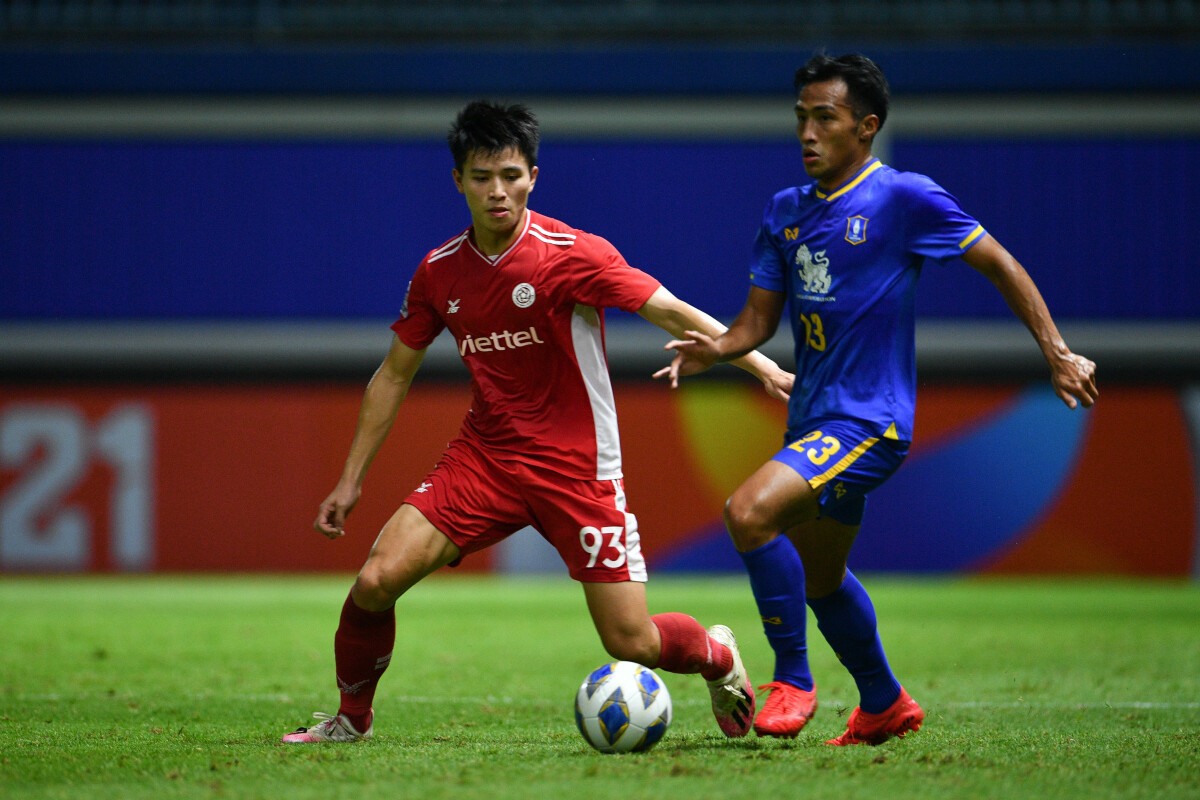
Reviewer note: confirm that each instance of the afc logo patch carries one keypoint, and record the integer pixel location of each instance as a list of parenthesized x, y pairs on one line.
[(856, 229)]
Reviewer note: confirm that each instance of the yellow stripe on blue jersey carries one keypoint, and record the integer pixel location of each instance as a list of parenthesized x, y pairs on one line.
[(971, 237), (848, 459)]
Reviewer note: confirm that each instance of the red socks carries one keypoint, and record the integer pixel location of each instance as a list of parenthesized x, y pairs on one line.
[(687, 648), (362, 649), (364, 640)]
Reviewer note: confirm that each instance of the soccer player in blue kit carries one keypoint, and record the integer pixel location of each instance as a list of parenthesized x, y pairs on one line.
[(844, 254)]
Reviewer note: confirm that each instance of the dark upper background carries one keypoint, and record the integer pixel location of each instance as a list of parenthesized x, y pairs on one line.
[(143, 176)]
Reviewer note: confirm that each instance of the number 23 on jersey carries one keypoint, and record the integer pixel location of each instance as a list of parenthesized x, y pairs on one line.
[(814, 331)]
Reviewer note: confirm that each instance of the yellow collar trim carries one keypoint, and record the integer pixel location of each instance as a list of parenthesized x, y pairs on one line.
[(874, 165)]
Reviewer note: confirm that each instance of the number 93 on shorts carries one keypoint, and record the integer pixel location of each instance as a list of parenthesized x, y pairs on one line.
[(595, 533), (477, 501)]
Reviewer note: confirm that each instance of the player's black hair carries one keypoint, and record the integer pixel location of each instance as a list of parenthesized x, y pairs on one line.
[(867, 88), (492, 128)]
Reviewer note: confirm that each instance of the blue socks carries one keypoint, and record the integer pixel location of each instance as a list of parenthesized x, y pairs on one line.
[(777, 580), (847, 620)]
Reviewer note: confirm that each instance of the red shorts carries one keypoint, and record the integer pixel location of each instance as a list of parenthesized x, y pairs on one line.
[(476, 501)]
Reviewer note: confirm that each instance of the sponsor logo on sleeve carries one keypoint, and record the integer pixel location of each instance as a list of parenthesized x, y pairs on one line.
[(404, 305)]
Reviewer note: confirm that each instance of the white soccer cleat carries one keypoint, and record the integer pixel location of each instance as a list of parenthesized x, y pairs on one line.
[(733, 695), (330, 729)]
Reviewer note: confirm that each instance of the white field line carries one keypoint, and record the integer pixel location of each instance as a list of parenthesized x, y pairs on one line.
[(1124, 704)]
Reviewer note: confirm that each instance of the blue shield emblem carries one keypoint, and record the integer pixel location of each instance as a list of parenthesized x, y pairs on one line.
[(856, 229)]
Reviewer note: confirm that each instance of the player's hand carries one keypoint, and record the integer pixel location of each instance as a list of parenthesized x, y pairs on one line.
[(1074, 379), (692, 355), (778, 382), (331, 517)]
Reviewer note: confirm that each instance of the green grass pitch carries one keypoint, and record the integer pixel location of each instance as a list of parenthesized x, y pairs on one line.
[(181, 686)]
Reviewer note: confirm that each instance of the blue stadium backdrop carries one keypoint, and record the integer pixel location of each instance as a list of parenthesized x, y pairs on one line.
[(285, 229)]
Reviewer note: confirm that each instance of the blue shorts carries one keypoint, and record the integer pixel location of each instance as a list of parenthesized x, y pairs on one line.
[(846, 459)]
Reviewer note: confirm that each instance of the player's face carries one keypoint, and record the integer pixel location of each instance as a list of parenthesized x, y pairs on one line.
[(835, 143), (497, 187)]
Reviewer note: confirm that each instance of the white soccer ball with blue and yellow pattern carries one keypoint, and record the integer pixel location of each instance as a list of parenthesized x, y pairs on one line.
[(622, 707)]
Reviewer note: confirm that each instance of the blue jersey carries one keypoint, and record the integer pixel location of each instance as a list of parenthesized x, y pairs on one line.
[(848, 262)]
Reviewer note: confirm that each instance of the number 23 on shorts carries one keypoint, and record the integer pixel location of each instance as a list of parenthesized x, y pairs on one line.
[(820, 452)]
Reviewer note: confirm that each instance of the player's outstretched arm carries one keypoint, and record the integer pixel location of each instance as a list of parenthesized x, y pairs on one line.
[(700, 341), (1072, 375), (381, 401)]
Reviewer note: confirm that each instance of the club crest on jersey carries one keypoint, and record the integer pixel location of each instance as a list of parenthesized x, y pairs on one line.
[(523, 295), (814, 270), (856, 230), (453, 309)]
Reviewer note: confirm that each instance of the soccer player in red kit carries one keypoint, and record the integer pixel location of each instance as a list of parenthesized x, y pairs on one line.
[(523, 296)]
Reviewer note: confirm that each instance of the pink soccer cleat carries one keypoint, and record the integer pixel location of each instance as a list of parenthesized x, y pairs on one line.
[(329, 729), (733, 695)]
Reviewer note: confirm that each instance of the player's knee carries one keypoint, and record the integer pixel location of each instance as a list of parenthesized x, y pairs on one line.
[(823, 581), (747, 525), (375, 589)]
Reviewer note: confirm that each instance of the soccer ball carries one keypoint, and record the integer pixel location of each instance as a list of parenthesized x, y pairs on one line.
[(622, 707)]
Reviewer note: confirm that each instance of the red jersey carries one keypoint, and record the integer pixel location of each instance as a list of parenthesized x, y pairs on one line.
[(529, 325)]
